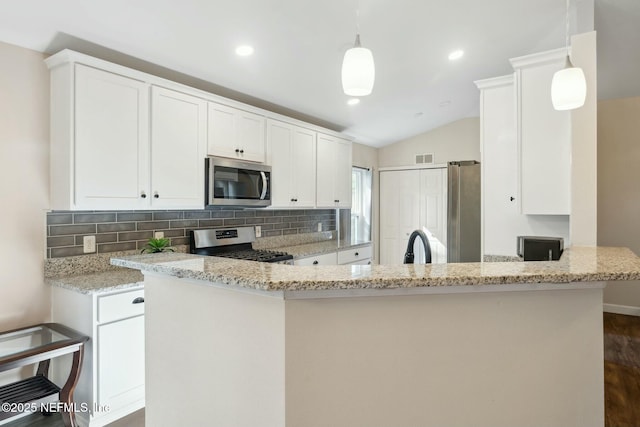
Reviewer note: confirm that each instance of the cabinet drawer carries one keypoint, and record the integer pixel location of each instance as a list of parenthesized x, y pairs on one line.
[(325, 259), (119, 306), (352, 255)]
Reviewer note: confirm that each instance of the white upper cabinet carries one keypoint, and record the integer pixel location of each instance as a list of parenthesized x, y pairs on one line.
[(544, 136), (178, 141), (333, 172), (102, 161), (292, 156), (235, 133)]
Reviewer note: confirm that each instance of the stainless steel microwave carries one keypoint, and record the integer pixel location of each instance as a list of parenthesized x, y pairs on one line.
[(236, 183)]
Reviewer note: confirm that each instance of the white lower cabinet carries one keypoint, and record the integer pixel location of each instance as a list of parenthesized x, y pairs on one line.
[(356, 256), (112, 380), (324, 259), (360, 255)]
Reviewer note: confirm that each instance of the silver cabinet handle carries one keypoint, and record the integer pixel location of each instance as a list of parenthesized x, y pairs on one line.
[(264, 185), (138, 300)]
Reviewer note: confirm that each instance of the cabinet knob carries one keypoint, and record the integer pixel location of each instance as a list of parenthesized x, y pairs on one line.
[(293, 200), (156, 195), (337, 201), (357, 254), (138, 300), (369, 263), (237, 150), (241, 151), (143, 195), (315, 262), (512, 198)]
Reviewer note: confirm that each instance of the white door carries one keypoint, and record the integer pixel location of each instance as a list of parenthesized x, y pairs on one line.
[(343, 165), (111, 141), (221, 132), (433, 211), (279, 140), (303, 156), (121, 362), (250, 132), (178, 138), (325, 197), (399, 212), (412, 200)]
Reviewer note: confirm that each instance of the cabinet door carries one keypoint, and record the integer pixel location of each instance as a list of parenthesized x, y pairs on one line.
[(221, 133), (303, 164), (325, 171), (545, 143), (280, 139), (250, 131), (111, 141), (342, 183), (120, 362), (178, 138), (235, 133)]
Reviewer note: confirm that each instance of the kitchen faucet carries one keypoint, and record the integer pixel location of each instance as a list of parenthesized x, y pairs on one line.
[(409, 256)]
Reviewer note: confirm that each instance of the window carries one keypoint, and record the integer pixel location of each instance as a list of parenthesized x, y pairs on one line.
[(361, 204)]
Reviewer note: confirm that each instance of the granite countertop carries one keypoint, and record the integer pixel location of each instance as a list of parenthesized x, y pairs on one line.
[(319, 248), (103, 281), (578, 264), (62, 272)]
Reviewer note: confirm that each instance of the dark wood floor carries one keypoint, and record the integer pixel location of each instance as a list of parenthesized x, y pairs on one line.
[(622, 370)]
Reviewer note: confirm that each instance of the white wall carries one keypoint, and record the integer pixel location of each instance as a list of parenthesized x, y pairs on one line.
[(459, 140), (619, 189), (24, 186)]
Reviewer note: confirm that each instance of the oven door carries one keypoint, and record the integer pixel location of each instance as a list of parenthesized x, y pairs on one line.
[(234, 183)]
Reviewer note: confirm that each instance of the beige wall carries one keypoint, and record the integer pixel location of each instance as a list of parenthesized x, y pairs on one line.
[(619, 187), (24, 185), (584, 195), (459, 140)]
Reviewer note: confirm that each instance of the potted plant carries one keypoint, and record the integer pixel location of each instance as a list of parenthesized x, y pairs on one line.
[(157, 245)]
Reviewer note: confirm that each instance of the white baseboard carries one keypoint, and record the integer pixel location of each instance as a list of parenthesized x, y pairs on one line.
[(621, 309)]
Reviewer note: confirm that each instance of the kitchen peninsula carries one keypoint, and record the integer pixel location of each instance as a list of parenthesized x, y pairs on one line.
[(239, 343)]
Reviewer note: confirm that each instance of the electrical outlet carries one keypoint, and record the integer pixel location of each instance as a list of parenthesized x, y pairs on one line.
[(319, 226), (89, 243), (258, 231), (159, 234)]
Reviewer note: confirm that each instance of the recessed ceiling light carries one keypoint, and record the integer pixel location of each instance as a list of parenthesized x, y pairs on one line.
[(456, 54), (244, 50), (353, 101)]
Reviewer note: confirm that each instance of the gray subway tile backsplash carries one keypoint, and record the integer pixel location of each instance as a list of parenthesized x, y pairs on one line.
[(130, 230)]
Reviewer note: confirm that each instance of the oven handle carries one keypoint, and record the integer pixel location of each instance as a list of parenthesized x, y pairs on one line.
[(264, 185)]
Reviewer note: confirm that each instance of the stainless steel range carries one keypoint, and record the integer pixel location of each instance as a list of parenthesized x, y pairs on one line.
[(233, 243)]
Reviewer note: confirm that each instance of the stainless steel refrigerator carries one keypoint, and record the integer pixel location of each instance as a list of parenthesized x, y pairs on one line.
[(463, 211)]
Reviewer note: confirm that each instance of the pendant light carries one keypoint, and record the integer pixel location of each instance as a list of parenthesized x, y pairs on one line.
[(569, 86), (358, 69)]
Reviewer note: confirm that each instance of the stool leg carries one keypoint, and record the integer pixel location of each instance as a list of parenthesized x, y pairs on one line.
[(66, 394)]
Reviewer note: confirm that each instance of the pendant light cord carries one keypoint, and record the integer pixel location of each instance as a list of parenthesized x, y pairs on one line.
[(566, 33)]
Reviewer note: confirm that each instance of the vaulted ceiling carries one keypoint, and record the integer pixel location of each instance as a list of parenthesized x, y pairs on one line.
[(299, 46)]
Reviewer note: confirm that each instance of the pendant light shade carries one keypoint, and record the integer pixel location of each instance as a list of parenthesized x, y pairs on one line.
[(568, 88), (358, 70)]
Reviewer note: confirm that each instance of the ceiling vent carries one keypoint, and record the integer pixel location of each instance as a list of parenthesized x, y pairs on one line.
[(424, 158)]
